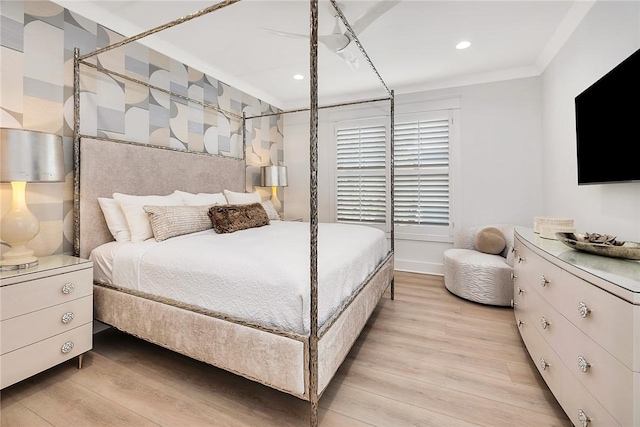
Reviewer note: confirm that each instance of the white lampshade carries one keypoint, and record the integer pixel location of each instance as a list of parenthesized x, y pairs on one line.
[(25, 156), (30, 156), (273, 176)]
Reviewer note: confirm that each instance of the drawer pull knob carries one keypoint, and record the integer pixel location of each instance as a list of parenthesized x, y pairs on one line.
[(513, 276), (544, 322), (543, 281), (513, 249), (583, 309), (583, 364), (67, 288), (513, 303), (520, 290), (582, 417), (543, 364), (67, 317), (520, 323), (67, 347), (520, 259)]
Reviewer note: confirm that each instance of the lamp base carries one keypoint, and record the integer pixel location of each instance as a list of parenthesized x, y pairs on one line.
[(18, 257), (274, 199), (6, 265)]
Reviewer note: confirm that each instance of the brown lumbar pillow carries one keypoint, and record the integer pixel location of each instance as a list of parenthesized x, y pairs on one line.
[(230, 218), (490, 240)]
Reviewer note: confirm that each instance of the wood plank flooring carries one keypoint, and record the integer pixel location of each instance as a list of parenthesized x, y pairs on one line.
[(428, 358)]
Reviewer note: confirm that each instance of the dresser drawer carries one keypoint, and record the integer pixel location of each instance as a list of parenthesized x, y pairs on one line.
[(572, 395), (610, 382), (22, 363), (537, 273), (581, 406), (546, 360), (27, 329), (605, 318), (22, 298)]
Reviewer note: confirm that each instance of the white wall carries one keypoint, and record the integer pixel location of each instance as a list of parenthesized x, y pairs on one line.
[(497, 175), (608, 34)]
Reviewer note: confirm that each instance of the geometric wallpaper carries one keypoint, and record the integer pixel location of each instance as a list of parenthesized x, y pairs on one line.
[(37, 39)]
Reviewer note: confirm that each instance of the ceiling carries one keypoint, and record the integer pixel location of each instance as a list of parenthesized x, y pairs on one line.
[(412, 45)]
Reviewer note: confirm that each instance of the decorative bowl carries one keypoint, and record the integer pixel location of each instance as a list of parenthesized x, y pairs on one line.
[(616, 249)]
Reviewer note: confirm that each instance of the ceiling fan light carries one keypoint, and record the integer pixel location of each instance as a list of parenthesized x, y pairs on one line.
[(463, 45)]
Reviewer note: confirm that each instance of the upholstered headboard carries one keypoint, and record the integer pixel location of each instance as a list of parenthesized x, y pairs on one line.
[(107, 167)]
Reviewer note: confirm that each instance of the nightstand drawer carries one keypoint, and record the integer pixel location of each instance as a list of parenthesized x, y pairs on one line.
[(22, 298), (27, 329), (20, 364)]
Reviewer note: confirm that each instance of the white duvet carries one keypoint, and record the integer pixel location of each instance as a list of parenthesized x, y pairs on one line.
[(260, 275)]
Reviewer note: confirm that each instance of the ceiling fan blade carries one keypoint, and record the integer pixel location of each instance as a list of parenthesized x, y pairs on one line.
[(334, 42), (371, 14), (285, 34), (351, 59)]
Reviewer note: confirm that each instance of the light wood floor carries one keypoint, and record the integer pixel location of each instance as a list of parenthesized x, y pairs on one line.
[(428, 358)]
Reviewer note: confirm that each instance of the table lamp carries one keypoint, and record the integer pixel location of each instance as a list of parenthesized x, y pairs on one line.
[(25, 156), (274, 176)]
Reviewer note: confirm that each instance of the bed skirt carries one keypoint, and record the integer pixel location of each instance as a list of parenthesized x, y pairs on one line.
[(280, 361)]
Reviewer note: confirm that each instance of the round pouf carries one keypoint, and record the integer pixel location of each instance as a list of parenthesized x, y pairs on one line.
[(478, 277)]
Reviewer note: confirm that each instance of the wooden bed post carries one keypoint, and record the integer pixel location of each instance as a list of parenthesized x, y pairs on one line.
[(313, 220)]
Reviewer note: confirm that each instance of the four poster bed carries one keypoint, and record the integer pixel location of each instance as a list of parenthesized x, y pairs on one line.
[(295, 347)]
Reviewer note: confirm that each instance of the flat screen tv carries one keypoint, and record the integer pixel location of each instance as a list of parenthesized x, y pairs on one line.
[(608, 126)]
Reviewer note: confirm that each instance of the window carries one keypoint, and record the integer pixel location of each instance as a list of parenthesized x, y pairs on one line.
[(361, 190), (421, 159), (421, 167)]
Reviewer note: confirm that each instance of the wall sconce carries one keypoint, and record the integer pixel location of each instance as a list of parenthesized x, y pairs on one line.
[(25, 156), (274, 176)]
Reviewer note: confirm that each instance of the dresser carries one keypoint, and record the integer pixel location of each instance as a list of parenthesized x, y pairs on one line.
[(46, 316), (579, 317)]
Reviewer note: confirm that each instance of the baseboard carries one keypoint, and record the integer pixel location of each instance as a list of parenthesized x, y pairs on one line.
[(418, 267)]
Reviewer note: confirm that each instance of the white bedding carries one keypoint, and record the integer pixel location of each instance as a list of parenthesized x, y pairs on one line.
[(260, 274)]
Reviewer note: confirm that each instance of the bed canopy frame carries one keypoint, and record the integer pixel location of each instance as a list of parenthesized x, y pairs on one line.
[(315, 333)]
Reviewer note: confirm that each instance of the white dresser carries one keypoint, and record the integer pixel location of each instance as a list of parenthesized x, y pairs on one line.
[(579, 317), (46, 315)]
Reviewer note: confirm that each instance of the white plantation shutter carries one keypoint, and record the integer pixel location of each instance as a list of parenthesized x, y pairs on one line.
[(421, 168), (422, 172), (361, 173)]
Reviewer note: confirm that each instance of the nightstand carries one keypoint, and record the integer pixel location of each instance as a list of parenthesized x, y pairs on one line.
[(292, 219), (46, 316)]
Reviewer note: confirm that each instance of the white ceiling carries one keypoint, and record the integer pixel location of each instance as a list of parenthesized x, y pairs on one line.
[(412, 45)]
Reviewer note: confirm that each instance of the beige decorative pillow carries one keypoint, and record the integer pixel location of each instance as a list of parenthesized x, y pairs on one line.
[(230, 218), (271, 211), (490, 240), (172, 221)]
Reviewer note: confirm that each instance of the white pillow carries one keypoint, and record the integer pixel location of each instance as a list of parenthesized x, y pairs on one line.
[(116, 221), (137, 218), (272, 213), (202, 199), (234, 198)]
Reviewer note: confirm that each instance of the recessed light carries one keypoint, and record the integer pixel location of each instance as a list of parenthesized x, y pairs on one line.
[(463, 45), (298, 76)]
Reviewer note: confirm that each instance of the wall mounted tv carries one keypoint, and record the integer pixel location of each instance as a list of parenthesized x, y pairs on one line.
[(608, 126)]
